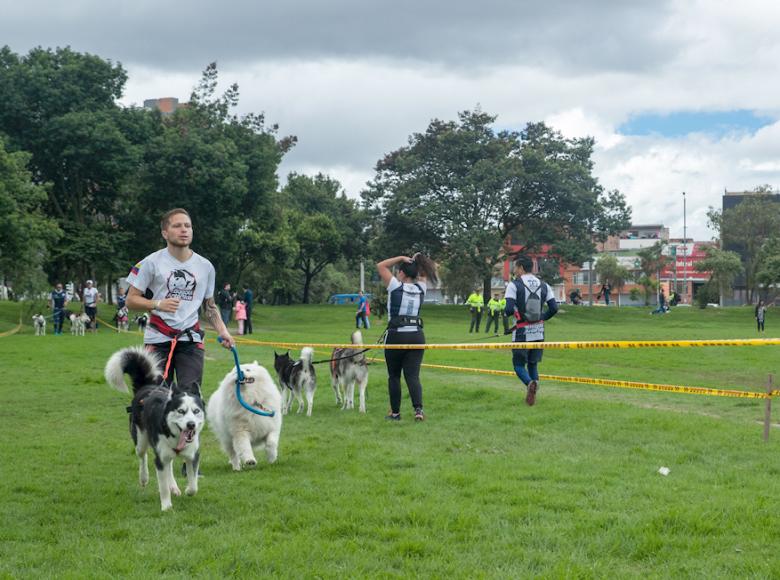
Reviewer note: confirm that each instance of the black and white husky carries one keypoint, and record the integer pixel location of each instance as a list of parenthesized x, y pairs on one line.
[(238, 430), (167, 419), (39, 322), (296, 378), (347, 368)]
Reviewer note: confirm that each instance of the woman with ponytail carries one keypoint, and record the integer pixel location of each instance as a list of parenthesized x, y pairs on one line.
[(405, 294)]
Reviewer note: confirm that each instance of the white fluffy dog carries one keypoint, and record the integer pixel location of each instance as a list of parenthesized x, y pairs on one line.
[(78, 323), (238, 430), (39, 322)]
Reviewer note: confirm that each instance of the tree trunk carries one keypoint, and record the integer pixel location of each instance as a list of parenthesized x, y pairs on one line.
[(487, 290), (306, 286)]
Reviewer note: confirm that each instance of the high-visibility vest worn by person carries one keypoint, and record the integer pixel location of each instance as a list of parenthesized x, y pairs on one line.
[(476, 301), (494, 306)]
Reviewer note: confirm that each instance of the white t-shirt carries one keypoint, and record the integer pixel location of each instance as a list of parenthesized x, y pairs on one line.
[(90, 296), (191, 281), (532, 332)]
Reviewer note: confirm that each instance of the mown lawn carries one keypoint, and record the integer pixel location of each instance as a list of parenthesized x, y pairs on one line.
[(487, 487)]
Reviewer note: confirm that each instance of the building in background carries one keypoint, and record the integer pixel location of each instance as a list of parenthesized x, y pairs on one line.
[(166, 105)]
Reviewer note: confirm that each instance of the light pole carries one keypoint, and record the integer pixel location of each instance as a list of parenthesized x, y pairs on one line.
[(685, 251)]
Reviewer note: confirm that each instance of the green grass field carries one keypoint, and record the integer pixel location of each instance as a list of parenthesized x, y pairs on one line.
[(487, 487)]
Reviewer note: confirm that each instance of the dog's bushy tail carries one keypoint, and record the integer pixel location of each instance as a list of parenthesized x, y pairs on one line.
[(357, 337), (307, 353), (143, 368)]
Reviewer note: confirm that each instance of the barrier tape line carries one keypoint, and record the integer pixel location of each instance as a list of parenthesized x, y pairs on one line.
[(534, 345), (101, 321), (732, 393), (14, 330)]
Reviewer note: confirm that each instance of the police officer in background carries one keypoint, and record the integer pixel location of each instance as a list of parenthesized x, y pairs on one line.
[(475, 303)]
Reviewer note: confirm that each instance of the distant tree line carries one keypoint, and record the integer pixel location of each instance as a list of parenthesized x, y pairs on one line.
[(83, 182)]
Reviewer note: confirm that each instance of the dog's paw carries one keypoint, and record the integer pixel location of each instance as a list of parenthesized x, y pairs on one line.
[(191, 490), (175, 490), (251, 462), (143, 481), (166, 506)]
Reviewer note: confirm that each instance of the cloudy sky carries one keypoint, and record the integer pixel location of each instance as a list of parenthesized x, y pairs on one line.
[(680, 96)]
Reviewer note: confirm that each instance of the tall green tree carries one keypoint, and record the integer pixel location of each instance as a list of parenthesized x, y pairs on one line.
[(461, 188), (327, 225), (651, 261), (609, 270), (724, 266), (60, 106), (221, 167), (745, 229), (25, 231)]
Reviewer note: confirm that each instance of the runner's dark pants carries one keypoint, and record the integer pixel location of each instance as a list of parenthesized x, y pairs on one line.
[(408, 362), (248, 321), (187, 362), (522, 358), (58, 317)]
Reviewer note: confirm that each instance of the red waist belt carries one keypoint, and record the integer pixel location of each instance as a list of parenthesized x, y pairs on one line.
[(161, 327)]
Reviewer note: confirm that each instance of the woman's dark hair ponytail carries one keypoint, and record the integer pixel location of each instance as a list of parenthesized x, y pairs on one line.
[(421, 264)]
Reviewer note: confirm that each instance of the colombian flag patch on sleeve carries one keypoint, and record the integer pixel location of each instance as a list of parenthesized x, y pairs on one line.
[(134, 269)]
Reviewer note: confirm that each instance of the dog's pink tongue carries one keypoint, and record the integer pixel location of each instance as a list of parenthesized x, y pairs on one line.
[(182, 441)]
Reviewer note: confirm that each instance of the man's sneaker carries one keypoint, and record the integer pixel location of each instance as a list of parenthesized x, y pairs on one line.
[(393, 417), (418, 414), (530, 396)]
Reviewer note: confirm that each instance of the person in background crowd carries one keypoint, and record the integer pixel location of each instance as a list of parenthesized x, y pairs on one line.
[(225, 301), (360, 316), (475, 303), (760, 315), (249, 299), (240, 310), (504, 315), (606, 291), (58, 300), (121, 298), (91, 299), (493, 308)]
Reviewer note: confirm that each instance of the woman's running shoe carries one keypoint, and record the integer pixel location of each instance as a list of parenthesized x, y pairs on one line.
[(418, 414)]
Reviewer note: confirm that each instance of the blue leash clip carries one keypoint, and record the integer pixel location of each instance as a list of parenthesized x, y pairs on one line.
[(240, 379)]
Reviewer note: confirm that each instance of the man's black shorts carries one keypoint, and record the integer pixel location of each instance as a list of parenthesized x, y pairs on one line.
[(187, 362)]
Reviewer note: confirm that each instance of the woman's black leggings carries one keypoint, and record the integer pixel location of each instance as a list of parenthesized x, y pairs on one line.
[(409, 362)]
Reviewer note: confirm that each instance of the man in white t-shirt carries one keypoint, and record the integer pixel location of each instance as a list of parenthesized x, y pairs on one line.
[(526, 297), (91, 298), (173, 283)]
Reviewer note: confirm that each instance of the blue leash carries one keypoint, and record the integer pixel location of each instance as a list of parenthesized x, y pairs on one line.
[(240, 379)]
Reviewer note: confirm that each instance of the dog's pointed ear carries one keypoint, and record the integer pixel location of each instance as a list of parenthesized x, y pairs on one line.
[(196, 390)]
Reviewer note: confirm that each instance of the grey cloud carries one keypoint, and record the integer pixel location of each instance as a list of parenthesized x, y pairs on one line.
[(577, 37)]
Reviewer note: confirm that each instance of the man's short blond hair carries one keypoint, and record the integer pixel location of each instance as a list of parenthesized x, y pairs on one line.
[(166, 218)]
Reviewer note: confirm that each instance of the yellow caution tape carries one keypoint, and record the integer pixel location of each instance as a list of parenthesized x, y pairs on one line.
[(621, 384), (14, 330), (101, 321), (535, 345)]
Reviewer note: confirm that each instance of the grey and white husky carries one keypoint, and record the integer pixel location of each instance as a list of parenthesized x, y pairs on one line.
[(348, 368), (296, 378)]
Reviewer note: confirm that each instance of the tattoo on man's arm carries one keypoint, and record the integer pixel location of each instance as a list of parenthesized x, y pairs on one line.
[(212, 312)]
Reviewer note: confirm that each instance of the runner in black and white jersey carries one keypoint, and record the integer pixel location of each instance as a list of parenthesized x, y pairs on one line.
[(406, 292), (525, 286)]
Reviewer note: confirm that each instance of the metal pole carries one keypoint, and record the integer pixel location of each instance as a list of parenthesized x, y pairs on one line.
[(768, 410), (685, 251), (590, 282)]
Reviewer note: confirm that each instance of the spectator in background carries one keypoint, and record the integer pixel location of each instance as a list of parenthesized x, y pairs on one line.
[(91, 299), (249, 299), (57, 302), (606, 291), (225, 302), (760, 315), (475, 303), (121, 298), (360, 316), (493, 308), (240, 310)]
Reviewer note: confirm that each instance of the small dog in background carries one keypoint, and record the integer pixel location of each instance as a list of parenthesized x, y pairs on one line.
[(78, 323), (142, 320), (122, 320), (240, 431), (348, 367), (296, 378), (39, 323)]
